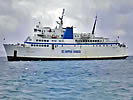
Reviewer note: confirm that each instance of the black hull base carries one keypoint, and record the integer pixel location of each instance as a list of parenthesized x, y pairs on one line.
[(11, 58)]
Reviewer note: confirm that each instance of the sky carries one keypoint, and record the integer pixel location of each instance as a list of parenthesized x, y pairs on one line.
[(18, 17)]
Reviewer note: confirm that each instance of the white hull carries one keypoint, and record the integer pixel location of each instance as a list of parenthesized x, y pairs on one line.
[(65, 52)]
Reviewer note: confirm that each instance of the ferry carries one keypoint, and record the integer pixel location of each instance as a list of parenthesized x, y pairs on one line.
[(61, 43)]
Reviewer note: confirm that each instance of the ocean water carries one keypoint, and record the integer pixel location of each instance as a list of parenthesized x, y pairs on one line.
[(67, 80)]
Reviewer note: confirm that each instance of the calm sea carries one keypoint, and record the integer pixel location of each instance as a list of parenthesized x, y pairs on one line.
[(67, 80)]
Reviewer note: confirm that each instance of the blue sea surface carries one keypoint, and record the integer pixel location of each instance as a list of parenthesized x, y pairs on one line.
[(67, 80)]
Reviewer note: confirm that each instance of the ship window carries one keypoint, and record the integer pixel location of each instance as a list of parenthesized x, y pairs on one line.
[(55, 40), (90, 40), (47, 45), (31, 44), (43, 31), (61, 35), (44, 40), (35, 30), (37, 40), (39, 30), (47, 40)]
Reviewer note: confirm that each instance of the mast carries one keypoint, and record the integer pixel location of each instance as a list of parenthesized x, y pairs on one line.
[(93, 30), (61, 20)]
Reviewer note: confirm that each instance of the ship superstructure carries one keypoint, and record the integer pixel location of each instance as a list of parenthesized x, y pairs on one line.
[(62, 44)]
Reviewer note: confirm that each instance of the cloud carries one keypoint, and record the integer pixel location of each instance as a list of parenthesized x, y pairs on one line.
[(8, 23), (17, 17)]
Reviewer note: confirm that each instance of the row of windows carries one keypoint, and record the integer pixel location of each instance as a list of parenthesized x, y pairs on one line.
[(42, 40), (39, 45), (42, 45), (101, 45), (88, 40), (43, 31), (48, 40)]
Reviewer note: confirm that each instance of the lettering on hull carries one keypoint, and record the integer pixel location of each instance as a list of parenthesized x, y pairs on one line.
[(70, 51)]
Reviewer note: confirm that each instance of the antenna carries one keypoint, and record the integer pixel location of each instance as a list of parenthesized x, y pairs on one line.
[(63, 13), (61, 20), (62, 16), (93, 30)]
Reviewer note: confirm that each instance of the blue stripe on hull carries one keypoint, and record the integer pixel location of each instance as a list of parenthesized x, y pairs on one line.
[(73, 43)]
